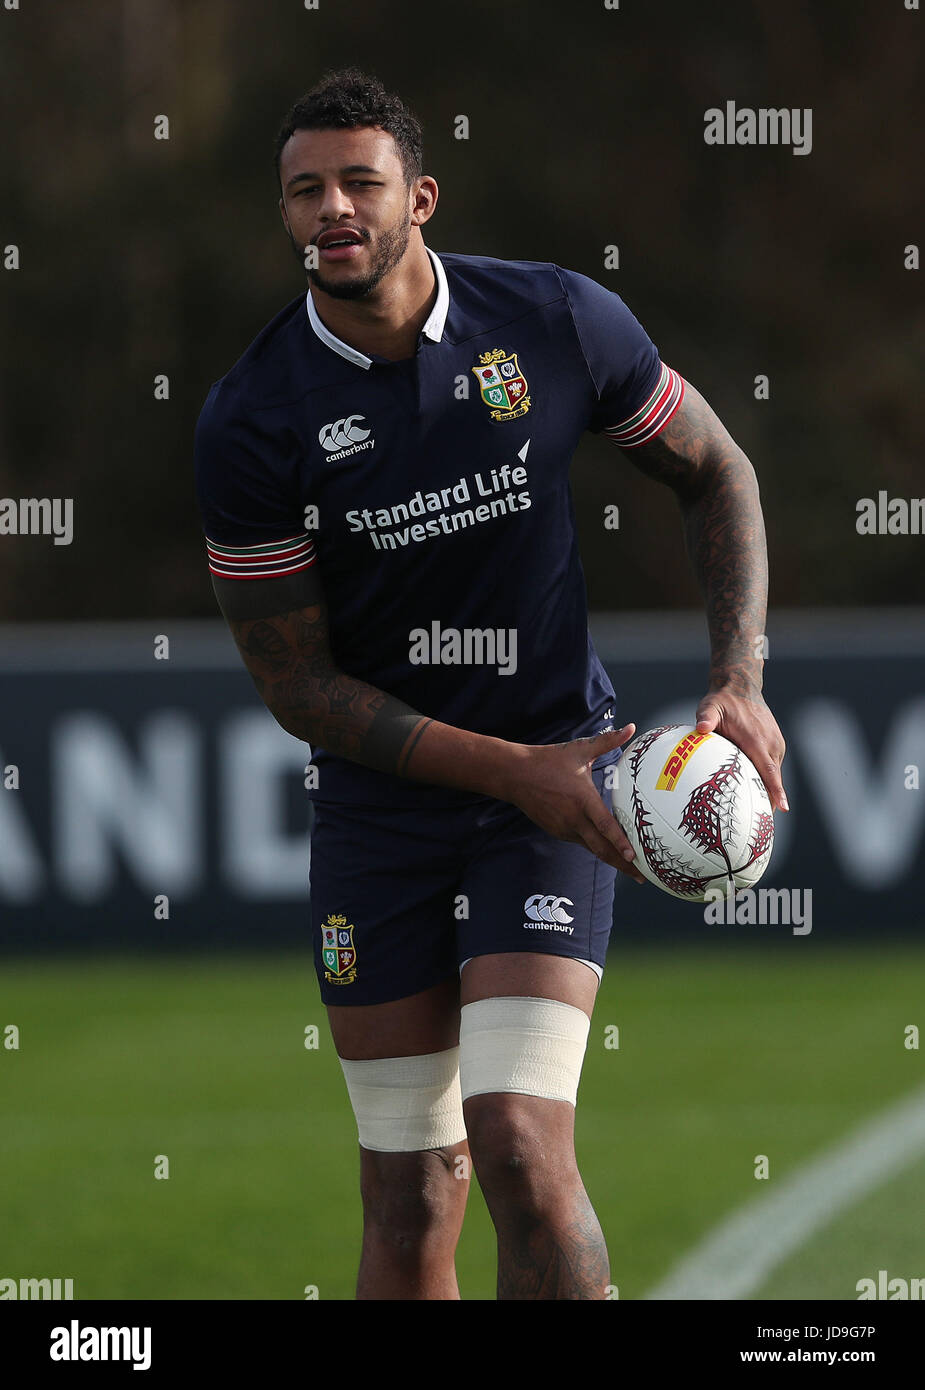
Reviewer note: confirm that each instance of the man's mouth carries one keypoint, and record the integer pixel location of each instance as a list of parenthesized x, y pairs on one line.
[(339, 246)]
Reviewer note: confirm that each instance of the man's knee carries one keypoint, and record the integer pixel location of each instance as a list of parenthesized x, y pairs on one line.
[(522, 1147), (410, 1197), (520, 1063)]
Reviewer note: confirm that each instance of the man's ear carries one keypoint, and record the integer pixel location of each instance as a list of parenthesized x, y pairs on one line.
[(282, 209), (423, 200)]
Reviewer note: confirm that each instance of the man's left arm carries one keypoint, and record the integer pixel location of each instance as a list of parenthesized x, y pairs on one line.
[(717, 490)]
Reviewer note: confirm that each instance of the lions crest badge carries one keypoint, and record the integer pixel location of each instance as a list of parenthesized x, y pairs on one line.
[(338, 951), (502, 384)]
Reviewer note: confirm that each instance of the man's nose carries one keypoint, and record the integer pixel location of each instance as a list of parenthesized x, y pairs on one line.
[(335, 203)]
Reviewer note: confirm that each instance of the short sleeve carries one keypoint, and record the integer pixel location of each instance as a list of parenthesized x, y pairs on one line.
[(253, 529), (635, 393)]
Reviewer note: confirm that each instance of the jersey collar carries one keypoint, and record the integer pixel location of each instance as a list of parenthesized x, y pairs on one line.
[(432, 329)]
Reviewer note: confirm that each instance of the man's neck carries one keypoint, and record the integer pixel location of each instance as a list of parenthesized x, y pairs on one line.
[(389, 322)]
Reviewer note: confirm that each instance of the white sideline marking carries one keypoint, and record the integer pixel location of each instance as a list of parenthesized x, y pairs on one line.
[(739, 1253)]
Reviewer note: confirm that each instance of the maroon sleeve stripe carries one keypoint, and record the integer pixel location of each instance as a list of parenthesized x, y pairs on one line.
[(261, 561), (652, 417)]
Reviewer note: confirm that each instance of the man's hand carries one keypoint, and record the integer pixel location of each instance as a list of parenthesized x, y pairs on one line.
[(746, 721), (552, 784)]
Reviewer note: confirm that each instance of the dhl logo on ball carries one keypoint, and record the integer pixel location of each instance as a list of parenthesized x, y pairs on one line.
[(673, 768)]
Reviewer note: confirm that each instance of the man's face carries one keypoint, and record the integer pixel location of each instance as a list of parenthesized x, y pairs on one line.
[(350, 184)]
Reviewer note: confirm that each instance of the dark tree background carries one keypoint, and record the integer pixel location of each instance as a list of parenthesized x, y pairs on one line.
[(142, 256)]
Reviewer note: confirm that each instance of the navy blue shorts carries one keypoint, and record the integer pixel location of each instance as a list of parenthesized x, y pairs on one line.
[(402, 897)]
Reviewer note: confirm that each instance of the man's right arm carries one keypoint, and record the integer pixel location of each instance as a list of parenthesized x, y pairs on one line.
[(280, 626), (281, 630)]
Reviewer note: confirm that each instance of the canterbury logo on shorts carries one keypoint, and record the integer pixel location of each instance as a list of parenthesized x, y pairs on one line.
[(540, 908)]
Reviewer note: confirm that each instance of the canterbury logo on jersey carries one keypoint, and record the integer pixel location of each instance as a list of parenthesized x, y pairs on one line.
[(547, 908), (346, 436)]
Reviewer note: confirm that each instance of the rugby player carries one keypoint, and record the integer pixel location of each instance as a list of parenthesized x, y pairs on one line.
[(383, 484)]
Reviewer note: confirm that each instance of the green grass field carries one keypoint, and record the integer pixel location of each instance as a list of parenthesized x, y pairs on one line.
[(721, 1057)]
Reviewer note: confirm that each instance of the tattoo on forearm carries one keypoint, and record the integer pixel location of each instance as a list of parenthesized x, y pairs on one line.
[(288, 659), (718, 494), (410, 746)]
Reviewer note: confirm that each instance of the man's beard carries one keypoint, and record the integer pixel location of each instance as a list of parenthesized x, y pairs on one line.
[(392, 246)]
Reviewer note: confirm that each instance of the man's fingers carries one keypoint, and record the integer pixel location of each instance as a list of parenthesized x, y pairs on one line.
[(596, 744), (708, 717), (764, 757), (770, 775), (604, 849), (604, 837)]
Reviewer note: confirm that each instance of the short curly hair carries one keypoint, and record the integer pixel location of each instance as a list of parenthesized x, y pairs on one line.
[(349, 99)]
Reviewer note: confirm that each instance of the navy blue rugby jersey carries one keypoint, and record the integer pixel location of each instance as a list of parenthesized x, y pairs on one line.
[(433, 494)]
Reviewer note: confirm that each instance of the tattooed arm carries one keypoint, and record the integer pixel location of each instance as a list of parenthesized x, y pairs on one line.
[(718, 494), (281, 630)]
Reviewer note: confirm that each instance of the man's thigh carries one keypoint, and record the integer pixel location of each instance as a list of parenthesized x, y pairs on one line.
[(391, 938), (529, 894), (383, 884), (429, 1021), (530, 974), (383, 929), (532, 952), (422, 1023)]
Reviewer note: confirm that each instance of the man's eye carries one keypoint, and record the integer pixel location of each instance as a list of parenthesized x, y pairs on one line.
[(355, 183)]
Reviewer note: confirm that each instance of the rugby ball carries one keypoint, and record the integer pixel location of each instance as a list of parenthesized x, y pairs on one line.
[(695, 811)]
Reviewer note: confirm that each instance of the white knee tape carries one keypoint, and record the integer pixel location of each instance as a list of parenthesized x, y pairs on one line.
[(532, 1046), (403, 1104)]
